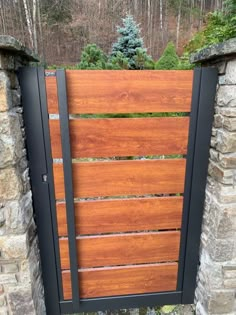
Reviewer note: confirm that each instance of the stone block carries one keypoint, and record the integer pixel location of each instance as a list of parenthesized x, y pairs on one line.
[(225, 111), (221, 302), (14, 246), (20, 302), (221, 250), (8, 279), (5, 92), (16, 215), (230, 76), (11, 140), (225, 176), (226, 95), (6, 61), (226, 141), (9, 268), (10, 189), (227, 160)]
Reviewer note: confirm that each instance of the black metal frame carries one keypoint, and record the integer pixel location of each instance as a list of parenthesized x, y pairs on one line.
[(40, 162)]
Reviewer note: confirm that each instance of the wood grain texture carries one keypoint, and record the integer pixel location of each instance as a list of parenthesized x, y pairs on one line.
[(122, 249), (103, 91), (123, 215), (51, 92), (120, 178), (99, 282), (123, 137)]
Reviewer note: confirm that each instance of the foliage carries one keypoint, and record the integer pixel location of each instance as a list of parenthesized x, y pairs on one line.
[(169, 59), (130, 44), (221, 25), (184, 63), (92, 58), (143, 60), (118, 62)]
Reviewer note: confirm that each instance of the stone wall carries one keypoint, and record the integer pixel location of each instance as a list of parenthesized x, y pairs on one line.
[(21, 290), (216, 287)]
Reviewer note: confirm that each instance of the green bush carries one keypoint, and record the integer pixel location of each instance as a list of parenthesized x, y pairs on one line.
[(92, 58), (220, 26), (169, 59)]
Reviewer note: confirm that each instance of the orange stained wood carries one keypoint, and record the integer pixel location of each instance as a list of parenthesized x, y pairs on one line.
[(99, 282), (123, 215), (51, 92), (123, 137), (114, 91), (119, 178), (122, 249)]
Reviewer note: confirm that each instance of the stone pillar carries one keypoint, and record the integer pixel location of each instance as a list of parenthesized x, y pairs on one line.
[(21, 290), (216, 288)]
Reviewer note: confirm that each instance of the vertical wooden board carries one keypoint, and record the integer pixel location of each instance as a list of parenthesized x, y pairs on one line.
[(102, 282), (51, 91), (120, 178), (123, 215), (122, 249)]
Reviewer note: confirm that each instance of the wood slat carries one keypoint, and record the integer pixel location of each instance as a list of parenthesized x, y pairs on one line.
[(123, 91), (51, 92), (123, 137), (122, 249), (120, 178), (123, 280), (123, 215)]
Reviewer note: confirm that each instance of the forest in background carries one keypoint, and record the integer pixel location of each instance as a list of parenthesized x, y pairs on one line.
[(58, 30)]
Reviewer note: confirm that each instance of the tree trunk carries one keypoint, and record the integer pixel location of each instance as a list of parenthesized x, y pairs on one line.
[(178, 24), (28, 21)]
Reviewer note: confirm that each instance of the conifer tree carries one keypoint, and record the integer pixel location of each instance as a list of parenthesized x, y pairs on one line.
[(169, 59), (129, 42), (92, 57)]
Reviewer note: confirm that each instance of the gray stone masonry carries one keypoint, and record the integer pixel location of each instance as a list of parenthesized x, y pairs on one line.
[(21, 290), (216, 281)]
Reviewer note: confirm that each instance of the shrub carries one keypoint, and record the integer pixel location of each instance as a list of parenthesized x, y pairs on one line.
[(92, 58), (169, 59)]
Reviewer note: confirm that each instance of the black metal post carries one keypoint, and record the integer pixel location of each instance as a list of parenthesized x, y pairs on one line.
[(28, 78), (199, 175), (68, 183)]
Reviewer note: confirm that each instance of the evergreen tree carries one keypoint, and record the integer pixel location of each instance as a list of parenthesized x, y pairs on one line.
[(129, 41), (169, 59), (118, 62), (92, 58)]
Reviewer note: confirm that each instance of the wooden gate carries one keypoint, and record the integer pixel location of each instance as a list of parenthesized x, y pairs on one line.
[(118, 163)]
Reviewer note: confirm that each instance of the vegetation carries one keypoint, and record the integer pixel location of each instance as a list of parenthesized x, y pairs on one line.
[(169, 59), (58, 30), (130, 44), (220, 26)]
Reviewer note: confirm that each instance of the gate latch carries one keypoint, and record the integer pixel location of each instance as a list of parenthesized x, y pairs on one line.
[(45, 178)]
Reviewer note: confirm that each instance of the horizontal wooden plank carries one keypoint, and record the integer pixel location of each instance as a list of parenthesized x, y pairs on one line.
[(123, 91), (122, 249), (99, 282), (123, 215), (123, 137), (120, 178)]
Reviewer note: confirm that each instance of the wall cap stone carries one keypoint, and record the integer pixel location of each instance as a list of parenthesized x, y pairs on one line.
[(9, 43), (215, 51)]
